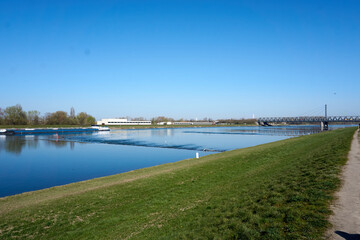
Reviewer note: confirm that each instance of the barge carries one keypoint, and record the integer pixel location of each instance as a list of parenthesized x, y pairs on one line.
[(26, 131)]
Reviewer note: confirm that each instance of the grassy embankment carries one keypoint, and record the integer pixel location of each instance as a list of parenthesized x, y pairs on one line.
[(280, 190)]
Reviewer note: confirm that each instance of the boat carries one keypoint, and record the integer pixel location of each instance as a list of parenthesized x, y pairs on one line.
[(100, 128)]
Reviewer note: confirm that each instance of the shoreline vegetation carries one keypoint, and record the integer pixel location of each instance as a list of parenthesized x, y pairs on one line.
[(280, 190), (15, 116), (120, 126)]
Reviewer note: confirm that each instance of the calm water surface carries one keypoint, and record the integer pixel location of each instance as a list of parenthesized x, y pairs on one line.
[(30, 163)]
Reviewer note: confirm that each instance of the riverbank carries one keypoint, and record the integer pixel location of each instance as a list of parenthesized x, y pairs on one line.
[(272, 191)]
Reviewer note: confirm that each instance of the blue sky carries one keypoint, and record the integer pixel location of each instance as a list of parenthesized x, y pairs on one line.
[(191, 59)]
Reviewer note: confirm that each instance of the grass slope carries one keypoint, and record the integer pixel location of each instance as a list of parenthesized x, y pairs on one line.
[(280, 190)]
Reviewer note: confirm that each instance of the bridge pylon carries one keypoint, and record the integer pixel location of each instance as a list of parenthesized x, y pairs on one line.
[(324, 125)]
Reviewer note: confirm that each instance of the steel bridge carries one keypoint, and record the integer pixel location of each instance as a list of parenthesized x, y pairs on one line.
[(324, 121), (316, 119)]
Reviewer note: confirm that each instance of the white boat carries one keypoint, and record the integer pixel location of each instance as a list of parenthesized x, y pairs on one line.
[(100, 128)]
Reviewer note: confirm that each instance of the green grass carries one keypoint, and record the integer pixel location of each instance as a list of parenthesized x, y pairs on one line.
[(280, 190)]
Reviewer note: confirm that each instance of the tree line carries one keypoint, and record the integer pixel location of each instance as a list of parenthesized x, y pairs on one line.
[(231, 121), (15, 115), (238, 121)]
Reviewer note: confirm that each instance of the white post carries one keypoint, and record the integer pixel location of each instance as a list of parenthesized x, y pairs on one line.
[(197, 155)]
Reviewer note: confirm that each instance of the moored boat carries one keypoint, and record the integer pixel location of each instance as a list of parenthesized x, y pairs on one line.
[(100, 128)]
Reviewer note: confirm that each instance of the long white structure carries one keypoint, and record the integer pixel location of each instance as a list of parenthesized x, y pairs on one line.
[(121, 121)]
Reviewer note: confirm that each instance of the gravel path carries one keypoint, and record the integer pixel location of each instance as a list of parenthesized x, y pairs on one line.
[(346, 208)]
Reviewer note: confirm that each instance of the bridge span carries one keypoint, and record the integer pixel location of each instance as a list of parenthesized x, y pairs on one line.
[(324, 121)]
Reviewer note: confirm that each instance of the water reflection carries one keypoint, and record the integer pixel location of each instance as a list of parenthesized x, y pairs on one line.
[(183, 138), (32, 141), (273, 131), (15, 144), (163, 132), (133, 142), (193, 138)]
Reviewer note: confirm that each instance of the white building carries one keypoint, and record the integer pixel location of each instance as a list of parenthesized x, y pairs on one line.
[(121, 121)]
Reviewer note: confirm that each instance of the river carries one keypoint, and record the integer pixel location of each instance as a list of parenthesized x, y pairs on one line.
[(34, 162)]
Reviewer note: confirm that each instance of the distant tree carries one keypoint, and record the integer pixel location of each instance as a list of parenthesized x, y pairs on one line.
[(138, 119), (162, 119), (127, 117), (42, 120), (73, 121), (33, 117), (15, 115), (57, 118), (2, 117), (90, 120), (81, 117), (238, 121), (85, 119), (72, 112), (46, 118)]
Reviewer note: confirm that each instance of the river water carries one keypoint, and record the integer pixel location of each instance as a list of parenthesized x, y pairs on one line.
[(34, 162)]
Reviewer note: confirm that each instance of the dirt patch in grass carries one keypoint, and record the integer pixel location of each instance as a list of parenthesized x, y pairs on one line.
[(346, 208)]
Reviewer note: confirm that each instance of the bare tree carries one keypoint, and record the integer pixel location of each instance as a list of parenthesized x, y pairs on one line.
[(72, 112), (33, 117), (2, 116), (138, 119)]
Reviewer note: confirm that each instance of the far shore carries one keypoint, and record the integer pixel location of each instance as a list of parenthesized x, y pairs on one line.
[(151, 126), (121, 126)]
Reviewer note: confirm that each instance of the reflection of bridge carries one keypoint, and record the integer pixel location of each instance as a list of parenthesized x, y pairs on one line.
[(324, 121)]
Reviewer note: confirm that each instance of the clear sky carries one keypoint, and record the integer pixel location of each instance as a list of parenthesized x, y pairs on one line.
[(191, 59)]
